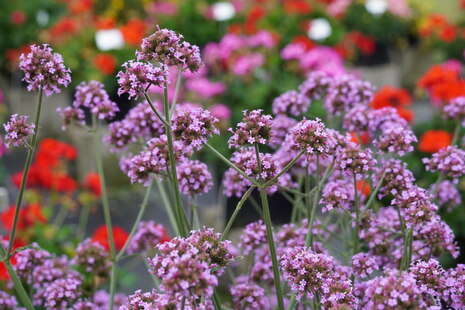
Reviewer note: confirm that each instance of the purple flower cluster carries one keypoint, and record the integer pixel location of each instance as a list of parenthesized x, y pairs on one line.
[(247, 295), (316, 85), (255, 128), (71, 115), (455, 109), (93, 96), (194, 178), (62, 293), (358, 119), (355, 161), (280, 129), (396, 139), (292, 103), (338, 194), (311, 136), (147, 236), (17, 130), (397, 178), (449, 161), (93, 258), (44, 70), (193, 126), (7, 302), (364, 264), (139, 76), (447, 195), (253, 236), (169, 49), (27, 260)]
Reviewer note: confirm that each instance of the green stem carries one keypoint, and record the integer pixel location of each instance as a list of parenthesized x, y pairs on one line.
[(236, 212), (161, 118), (27, 165), (60, 218), (83, 219), (309, 239), (230, 164), (284, 170), (176, 91), (456, 134), (18, 286), (357, 216), (142, 209), (167, 205), (375, 191)]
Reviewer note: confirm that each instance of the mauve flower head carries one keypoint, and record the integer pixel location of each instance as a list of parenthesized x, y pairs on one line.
[(193, 126), (71, 115), (247, 295), (246, 64), (139, 300), (7, 301), (364, 264), (345, 92), (323, 58), (93, 258), (147, 236), (92, 95), (447, 195), (397, 178), (353, 160), (415, 205), (121, 134), (252, 237), (194, 177), (138, 76), (18, 130), (429, 276), (44, 70), (396, 139), (293, 50), (449, 161), (205, 88), (438, 237), (279, 130), (292, 103), (311, 136), (262, 38), (255, 128), (62, 293), (221, 111), (384, 118), (143, 120), (101, 300), (338, 194), (358, 119), (27, 260), (454, 292), (316, 85), (455, 110), (167, 48)]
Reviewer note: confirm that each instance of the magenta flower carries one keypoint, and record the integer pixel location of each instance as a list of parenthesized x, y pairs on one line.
[(194, 178), (71, 115), (147, 236), (449, 161), (138, 76), (18, 130), (455, 109), (92, 95), (364, 264), (93, 258), (292, 103), (247, 295), (312, 136), (255, 128)]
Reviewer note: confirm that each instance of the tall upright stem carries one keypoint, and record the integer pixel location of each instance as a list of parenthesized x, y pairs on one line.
[(357, 216), (27, 165), (106, 210), (316, 197), (236, 212)]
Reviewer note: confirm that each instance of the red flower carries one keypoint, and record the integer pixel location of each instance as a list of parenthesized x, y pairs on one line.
[(106, 63), (18, 17), (309, 44), (104, 23), (93, 183), (364, 43), (133, 31), (363, 187), (80, 6), (4, 276), (434, 140), (64, 27), (448, 34), (362, 139), (389, 96), (28, 216), (255, 14), (119, 235), (297, 6)]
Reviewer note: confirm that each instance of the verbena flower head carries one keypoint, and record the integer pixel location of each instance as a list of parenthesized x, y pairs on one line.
[(147, 236), (429, 276), (355, 161), (93, 258), (144, 122), (438, 237), (312, 136), (194, 178), (44, 70), (364, 264), (455, 110), (279, 130), (338, 194), (316, 85), (62, 293), (385, 118), (396, 139), (168, 48), (292, 103), (397, 178), (252, 237), (7, 301), (27, 260), (255, 128), (447, 195), (247, 295), (358, 119), (454, 292), (17, 130), (92, 95), (193, 126), (449, 161), (138, 76), (71, 115), (345, 92), (120, 135)]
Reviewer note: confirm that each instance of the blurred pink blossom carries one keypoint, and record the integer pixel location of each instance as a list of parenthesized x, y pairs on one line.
[(338, 7), (262, 38), (400, 8), (245, 64), (204, 87), (293, 51), (220, 111), (323, 58)]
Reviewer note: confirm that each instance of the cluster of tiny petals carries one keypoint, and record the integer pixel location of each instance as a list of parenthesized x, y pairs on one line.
[(92, 95), (120, 135), (138, 76), (147, 236), (194, 177), (253, 235), (193, 126), (93, 257), (439, 237), (454, 290), (448, 195), (316, 85), (27, 260), (292, 103), (338, 194), (345, 92), (312, 137), (17, 130), (358, 119), (353, 160), (280, 129), (396, 139), (397, 178), (455, 109), (385, 118), (167, 48), (449, 161), (255, 128), (364, 264), (71, 115), (7, 301), (247, 295), (62, 293), (44, 70), (429, 276)]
